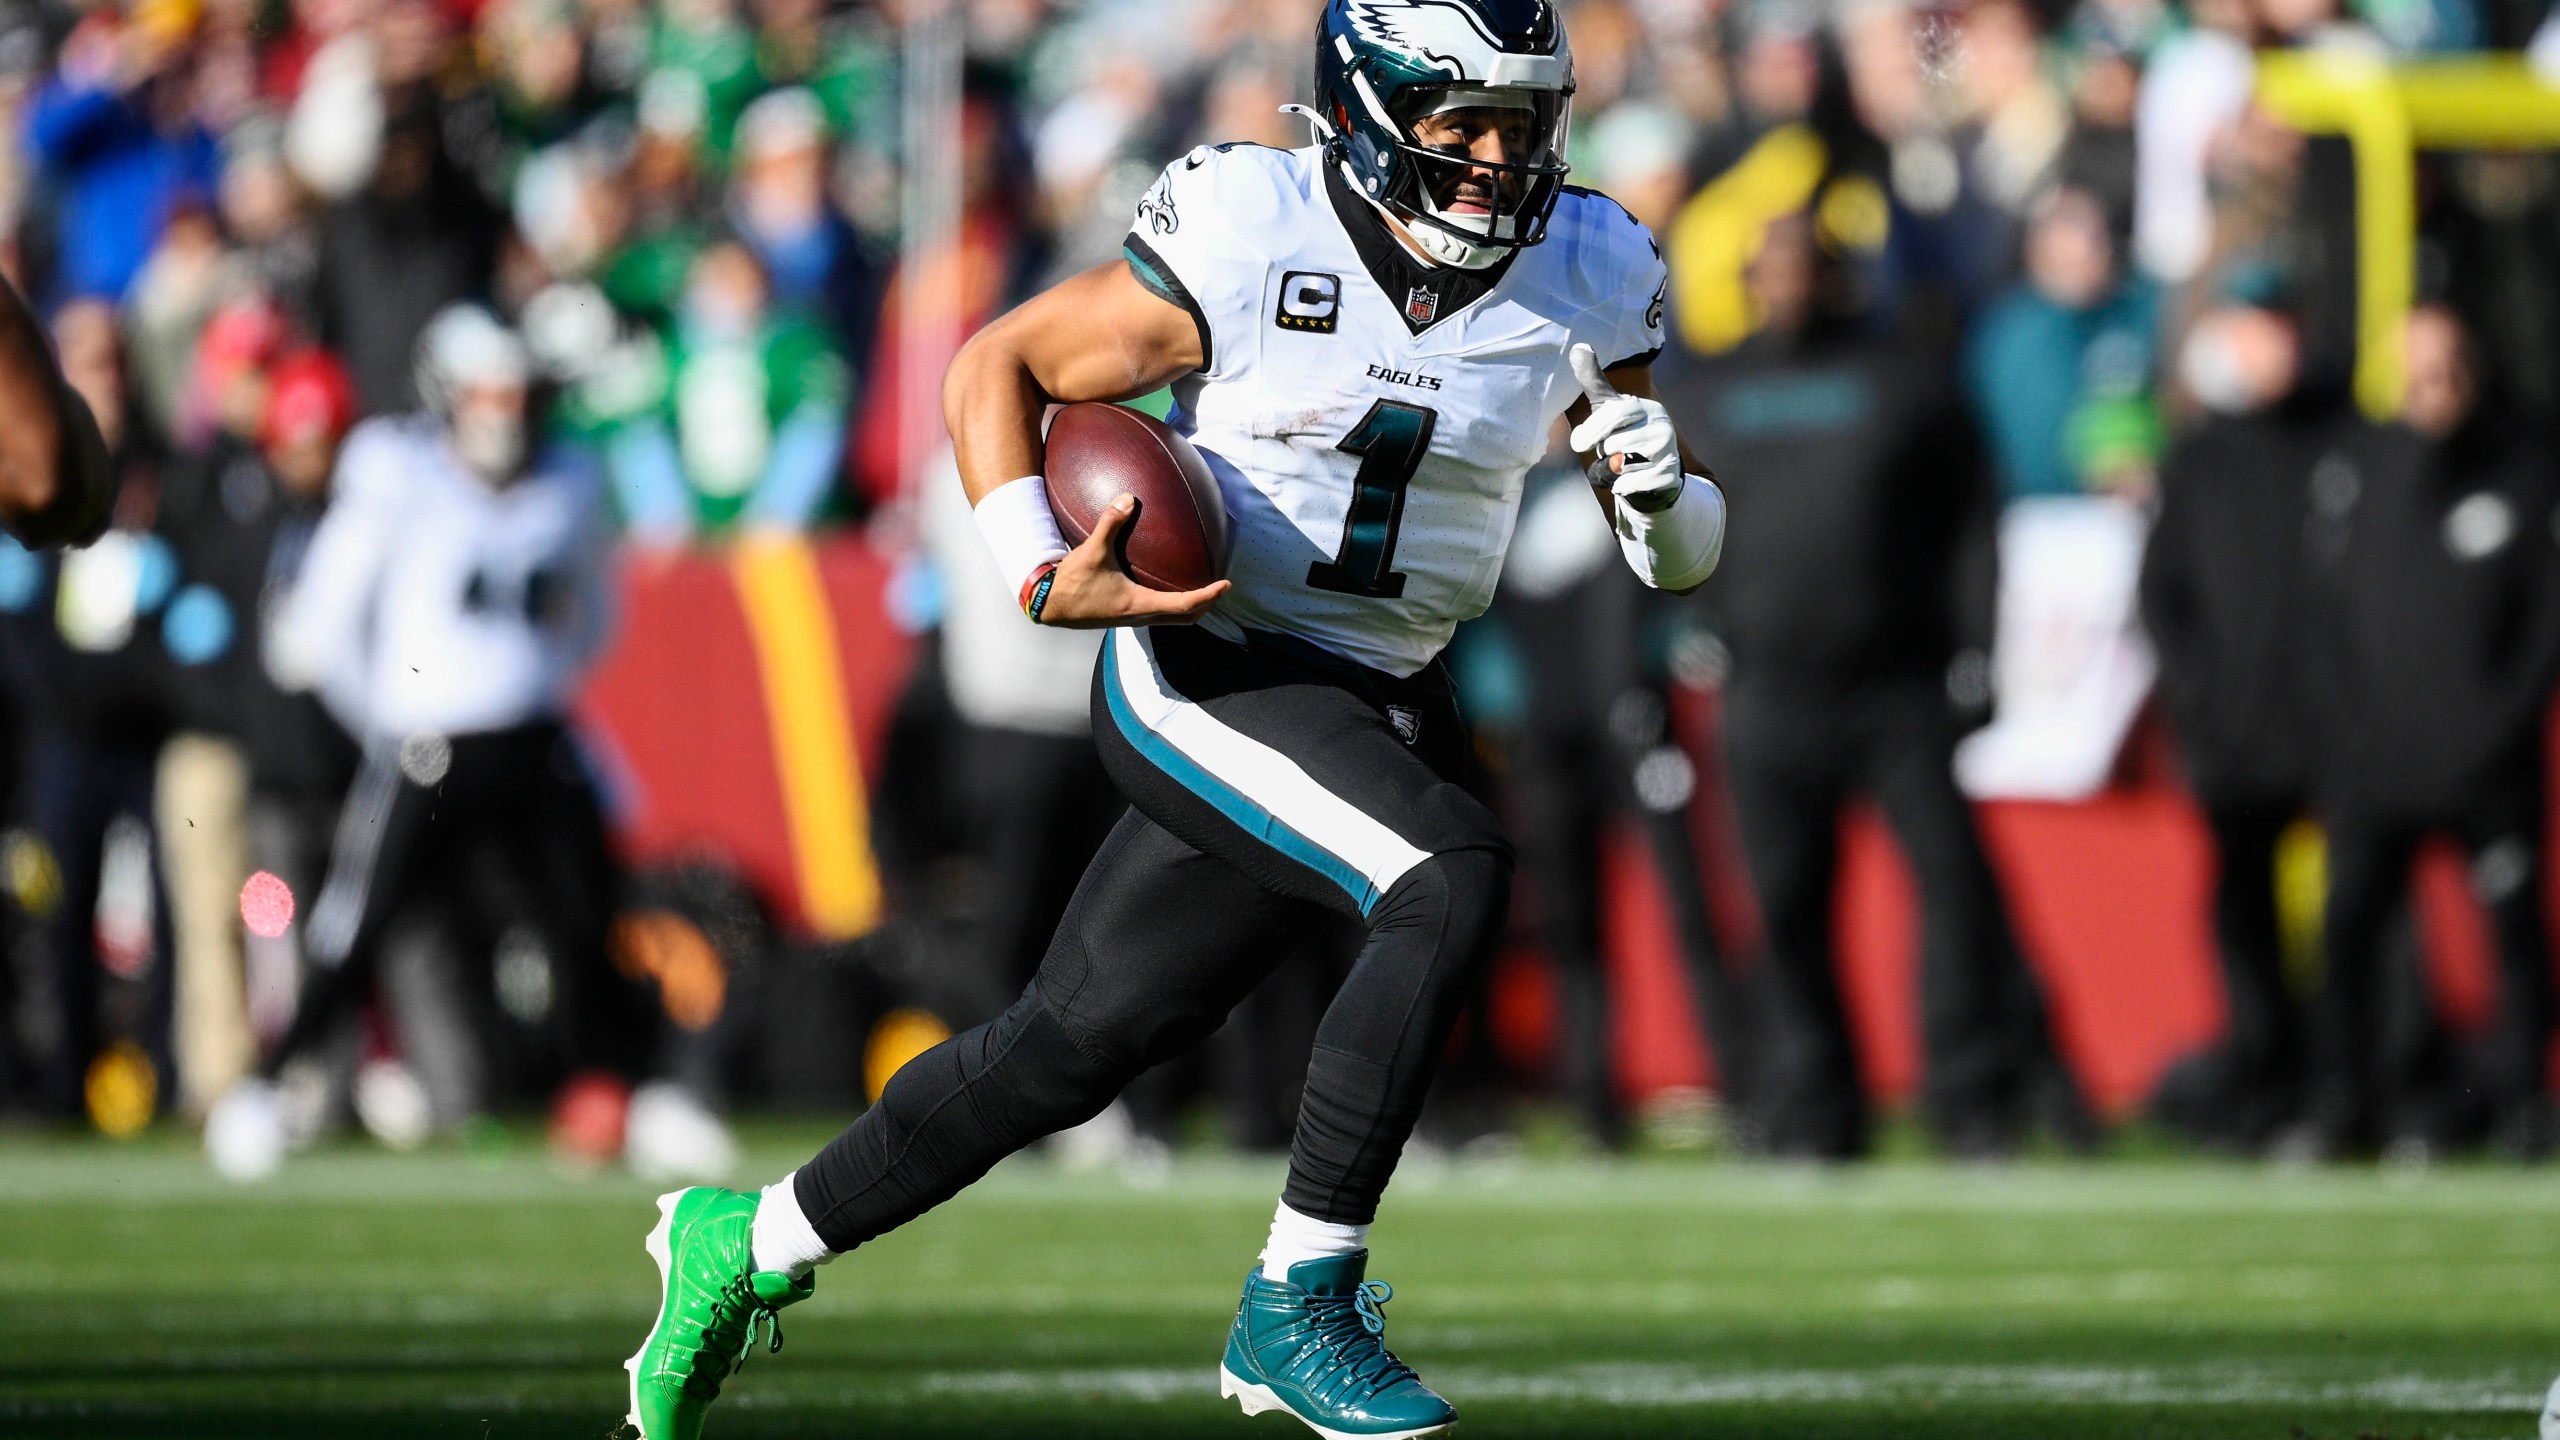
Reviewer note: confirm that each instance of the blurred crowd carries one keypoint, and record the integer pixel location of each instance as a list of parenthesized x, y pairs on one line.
[(1955, 288)]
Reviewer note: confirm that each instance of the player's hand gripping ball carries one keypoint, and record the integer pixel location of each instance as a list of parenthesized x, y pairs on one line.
[(1176, 540)]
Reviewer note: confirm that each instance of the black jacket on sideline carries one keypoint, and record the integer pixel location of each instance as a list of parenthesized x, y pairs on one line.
[(239, 536), (2222, 598), (2434, 571), (80, 646), (387, 265), (1864, 521)]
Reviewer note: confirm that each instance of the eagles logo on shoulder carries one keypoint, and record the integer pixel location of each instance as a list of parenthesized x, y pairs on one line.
[(1156, 207)]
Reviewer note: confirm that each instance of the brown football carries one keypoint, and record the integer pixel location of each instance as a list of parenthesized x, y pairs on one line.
[(1098, 453)]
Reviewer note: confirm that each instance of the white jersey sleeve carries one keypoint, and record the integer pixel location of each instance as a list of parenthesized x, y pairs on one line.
[(1618, 275), (316, 624), (1193, 243)]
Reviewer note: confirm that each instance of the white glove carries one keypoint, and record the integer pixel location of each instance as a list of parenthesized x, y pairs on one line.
[(1632, 426)]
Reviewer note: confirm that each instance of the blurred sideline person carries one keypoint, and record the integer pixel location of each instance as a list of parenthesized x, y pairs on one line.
[(278, 422), (2058, 369), (1594, 743), (57, 481), (2436, 638), (1859, 620), (749, 429), (80, 633), (1033, 799), (1295, 753), (464, 575), (2222, 598), (302, 758)]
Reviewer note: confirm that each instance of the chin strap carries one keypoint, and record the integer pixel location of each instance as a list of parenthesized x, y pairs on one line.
[(1444, 246), (1325, 133)]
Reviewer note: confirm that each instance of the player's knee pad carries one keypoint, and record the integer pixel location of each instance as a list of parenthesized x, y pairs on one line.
[(1463, 895), (1021, 1074), (1056, 1071), (1124, 1023), (1465, 887)]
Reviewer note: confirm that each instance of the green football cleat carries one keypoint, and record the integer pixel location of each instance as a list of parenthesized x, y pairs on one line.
[(1314, 1347), (712, 1300)]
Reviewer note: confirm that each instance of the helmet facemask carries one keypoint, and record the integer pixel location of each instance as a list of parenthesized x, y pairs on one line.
[(1464, 210), (1386, 69), (464, 355)]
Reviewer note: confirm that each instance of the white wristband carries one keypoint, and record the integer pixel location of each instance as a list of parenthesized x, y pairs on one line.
[(1675, 547), (1014, 517)]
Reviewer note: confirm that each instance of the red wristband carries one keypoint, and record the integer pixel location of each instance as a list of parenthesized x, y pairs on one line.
[(1035, 591)]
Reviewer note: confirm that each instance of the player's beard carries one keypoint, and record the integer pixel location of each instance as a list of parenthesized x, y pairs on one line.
[(1494, 197)]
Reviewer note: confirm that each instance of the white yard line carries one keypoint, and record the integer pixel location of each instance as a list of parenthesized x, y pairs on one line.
[(1655, 1386)]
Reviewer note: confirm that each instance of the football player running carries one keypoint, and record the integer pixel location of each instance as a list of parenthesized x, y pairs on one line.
[(1369, 341)]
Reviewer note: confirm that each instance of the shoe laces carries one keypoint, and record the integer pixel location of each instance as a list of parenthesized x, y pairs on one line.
[(741, 1313), (1352, 1326)]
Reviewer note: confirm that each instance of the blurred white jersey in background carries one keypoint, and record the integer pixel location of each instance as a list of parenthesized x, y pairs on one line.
[(452, 606)]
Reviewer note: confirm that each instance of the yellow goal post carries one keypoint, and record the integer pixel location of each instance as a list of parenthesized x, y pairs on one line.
[(2388, 111)]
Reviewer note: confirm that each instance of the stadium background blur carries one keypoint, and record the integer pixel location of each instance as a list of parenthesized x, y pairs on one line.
[(1989, 277)]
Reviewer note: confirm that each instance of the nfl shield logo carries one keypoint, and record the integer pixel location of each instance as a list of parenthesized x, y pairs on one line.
[(1408, 722), (1420, 304)]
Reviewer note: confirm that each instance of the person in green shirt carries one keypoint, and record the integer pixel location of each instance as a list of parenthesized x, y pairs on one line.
[(746, 429), (708, 44)]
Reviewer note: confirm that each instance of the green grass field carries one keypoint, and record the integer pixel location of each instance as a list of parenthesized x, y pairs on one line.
[(372, 1297)]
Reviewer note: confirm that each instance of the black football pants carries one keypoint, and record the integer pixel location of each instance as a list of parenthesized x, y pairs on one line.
[(1568, 786), (2265, 1027), (2369, 860), (417, 821), (1272, 789), (1034, 811), (1794, 760)]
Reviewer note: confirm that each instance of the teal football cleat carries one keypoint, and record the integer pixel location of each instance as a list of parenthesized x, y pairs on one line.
[(712, 1301), (1315, 1347)]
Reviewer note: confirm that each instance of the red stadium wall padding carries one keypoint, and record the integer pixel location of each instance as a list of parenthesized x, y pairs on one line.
[(2108, 900), (679, 704), (877, 654), (2109, 897), (1653, 1010), (681, 710), (2455, 931)]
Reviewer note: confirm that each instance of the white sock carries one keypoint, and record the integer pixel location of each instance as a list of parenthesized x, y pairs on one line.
[(1296, 1237), (784, 1239)]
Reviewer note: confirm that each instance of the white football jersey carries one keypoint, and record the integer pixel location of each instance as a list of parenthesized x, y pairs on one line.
[(453, 606), (1371, 419)]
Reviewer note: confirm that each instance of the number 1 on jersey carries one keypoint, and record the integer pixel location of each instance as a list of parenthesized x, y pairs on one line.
[(1390, 441)]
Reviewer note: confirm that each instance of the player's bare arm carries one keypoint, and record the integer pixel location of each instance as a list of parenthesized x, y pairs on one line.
[(56, 483), (1099, 335)]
